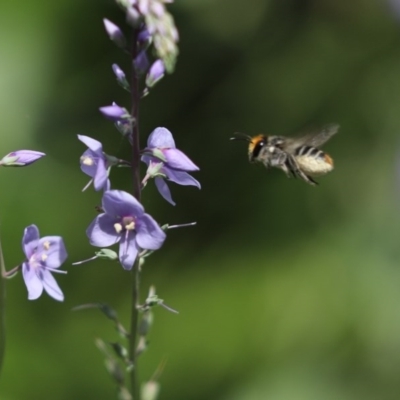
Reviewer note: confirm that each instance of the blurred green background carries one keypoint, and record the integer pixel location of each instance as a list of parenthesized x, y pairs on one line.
[(285, 291)]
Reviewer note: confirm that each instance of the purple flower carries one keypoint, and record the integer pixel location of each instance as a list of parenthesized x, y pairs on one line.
[(119, 74), (155, 73), (114, 33), (144, 37), (161, 149), (141, 62), (94, 163), (125, 221), (21, 158), (44, 256), (114, 112)]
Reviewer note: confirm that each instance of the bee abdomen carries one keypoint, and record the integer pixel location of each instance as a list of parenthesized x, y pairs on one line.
[(313, 161), (309, 151)]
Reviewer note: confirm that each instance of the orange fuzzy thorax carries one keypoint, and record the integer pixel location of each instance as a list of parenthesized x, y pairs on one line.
[(253, 142)]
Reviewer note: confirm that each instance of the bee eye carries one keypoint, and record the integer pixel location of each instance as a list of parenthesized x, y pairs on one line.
[(258, 147)]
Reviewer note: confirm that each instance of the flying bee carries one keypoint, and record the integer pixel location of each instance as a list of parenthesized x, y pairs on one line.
[(299, 157)]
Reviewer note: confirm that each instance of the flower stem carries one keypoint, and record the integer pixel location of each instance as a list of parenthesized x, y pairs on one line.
[(135, 114), (2, 309), (135, 97)]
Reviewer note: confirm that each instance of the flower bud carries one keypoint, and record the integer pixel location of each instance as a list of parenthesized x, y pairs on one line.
[(141, 62), (107, 254), (156, 72), (120, 75), (114, 112), (133, 17), (21, 158), (114, 33)]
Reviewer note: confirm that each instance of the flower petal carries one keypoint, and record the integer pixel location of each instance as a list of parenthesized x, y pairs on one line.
[(92, 144), (54, 249), (101, 232), (51, 286), (119, 203), (164, 189), (101, 177), (128, 250), (89, 161), (30, 240), (161, 138), (149, 234), (181, 177), (178, 160), (32, 282)]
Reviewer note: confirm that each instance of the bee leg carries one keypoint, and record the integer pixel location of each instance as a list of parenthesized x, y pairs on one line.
[(280, 160), (297, 172)]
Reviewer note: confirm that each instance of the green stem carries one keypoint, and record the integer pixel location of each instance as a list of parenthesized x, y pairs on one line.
[(133, 338), (2, 308)]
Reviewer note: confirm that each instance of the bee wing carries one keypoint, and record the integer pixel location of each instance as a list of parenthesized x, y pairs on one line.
[(323, 135), (315, 139)]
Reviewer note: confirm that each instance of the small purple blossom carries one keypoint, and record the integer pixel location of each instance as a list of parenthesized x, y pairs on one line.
[(144, 37), (21, 158), (114, 112), (141, 62), (161, 149), (156, 72), (114, 33), (94, 163), (121, 77), (125, 221), (119, 74), (44, 256)]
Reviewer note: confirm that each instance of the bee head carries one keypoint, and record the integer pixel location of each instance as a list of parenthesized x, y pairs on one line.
[(256, 143)]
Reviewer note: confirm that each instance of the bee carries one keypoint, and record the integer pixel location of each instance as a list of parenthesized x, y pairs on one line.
[(299, 157)]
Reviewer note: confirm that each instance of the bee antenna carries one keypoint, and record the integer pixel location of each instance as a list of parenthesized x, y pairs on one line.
[(241, 136)]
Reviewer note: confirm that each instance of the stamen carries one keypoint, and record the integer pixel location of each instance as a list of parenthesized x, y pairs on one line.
[(118, 227), (130, 227), (86, 160)]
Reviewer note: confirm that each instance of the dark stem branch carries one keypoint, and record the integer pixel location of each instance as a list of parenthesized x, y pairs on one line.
[(135, 97)]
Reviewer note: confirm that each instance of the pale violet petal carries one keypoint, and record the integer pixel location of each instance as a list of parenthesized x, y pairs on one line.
[(51, 286), (161, 138), (128, 250), (178, 160), (164, 189), (149, 235), (51, 250), (101, 232), (119, 203), (101, 177), (32, 282), (30, 240), (88, 162), (181, 177), (92, 144)]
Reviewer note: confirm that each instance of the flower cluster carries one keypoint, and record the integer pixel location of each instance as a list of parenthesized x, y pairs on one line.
[(160, 26), (43, 256), (123, 219)]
